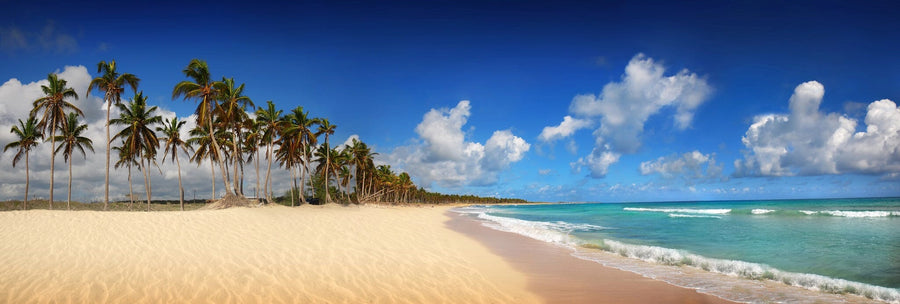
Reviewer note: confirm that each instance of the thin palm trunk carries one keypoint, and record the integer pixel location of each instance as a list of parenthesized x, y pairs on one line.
[(27, 182), (106, 191), (180, 187), (130, 189), (216, 150), (52, 162), (69, 196), (257, 173), (237, 155), (303, 183), (146, 184), (268, 171), (293, 185), (212, 169)]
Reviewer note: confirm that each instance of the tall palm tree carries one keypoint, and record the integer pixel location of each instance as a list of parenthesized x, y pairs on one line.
[(139, 137), (270, 121), (112, 84), (173, 142), (326, 128), (72, 139), (363, 161), (251, 145), (28, 134), (327, 166), (201, 140), (232, 112), (52, 112), (127, 159), (295, 142), (204, 90)]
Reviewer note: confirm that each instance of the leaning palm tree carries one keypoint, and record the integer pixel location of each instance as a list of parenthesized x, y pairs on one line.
[(173, 142), (326, 128), (112, 84), (72, 139), (127, 159), (139, 137), (52, 110), (270, 122), (203, 89), (28, 134), (231, 110)]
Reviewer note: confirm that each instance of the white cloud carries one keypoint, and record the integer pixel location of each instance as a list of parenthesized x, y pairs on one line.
[(443, 156), (691, 165), (807, 141), (349, 141), (565, 129), (624, 107), (89, 173)]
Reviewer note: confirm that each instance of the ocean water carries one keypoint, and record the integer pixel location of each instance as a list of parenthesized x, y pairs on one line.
[(822, 246)]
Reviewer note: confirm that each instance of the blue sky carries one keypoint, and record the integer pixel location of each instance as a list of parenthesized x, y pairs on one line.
[(395, 74)]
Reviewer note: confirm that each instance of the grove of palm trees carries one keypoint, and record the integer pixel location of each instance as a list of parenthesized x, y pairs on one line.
[(231, 133)]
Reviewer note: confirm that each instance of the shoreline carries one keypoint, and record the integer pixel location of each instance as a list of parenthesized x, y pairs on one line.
[(558, 277)]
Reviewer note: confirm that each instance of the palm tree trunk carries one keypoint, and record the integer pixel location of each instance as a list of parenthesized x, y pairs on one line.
[(302, 183), (293, 185), (69, 197), (52, 161), (106, 191), (180, 188), (146, 184), (212, 169), (216, 151), (237, 155), (257, 173), (130, 189), (268, 171), (27, 182)]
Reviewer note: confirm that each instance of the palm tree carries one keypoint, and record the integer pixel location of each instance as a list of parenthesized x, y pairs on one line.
[(201, 140), (325, 127), (52, 112), (295, 142), (251, 145), (126, 158), (204, 90), (232, 112), (363, 161), (28, 134), (112, 84), (173, 142), (139, 137), (327, 166), (270, 122), (72, 139)]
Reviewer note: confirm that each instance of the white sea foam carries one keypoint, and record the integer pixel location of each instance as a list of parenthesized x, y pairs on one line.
[(761, 211), (841, 213), (557, 233), (676, 210), (692, 215)]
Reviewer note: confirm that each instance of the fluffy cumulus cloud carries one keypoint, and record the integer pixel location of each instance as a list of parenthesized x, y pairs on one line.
[(624, 107), (691, 166), (807, 141), (89, 171), (442, 155)]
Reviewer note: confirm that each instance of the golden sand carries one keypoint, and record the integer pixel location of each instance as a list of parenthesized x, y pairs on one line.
[(272, 254)]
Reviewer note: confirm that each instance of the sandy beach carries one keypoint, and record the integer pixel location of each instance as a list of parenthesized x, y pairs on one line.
[(277, 254)]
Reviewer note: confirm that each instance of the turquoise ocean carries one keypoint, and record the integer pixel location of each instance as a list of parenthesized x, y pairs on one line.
[(748, 251)]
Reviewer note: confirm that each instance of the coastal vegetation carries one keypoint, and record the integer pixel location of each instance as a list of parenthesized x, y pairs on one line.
[(230, 133)]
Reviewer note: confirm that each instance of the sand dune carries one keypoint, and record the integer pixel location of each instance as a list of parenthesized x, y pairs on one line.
[(271, 255)]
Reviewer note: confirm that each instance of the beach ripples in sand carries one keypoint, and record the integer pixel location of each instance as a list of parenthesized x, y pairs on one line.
[(273, 255)]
